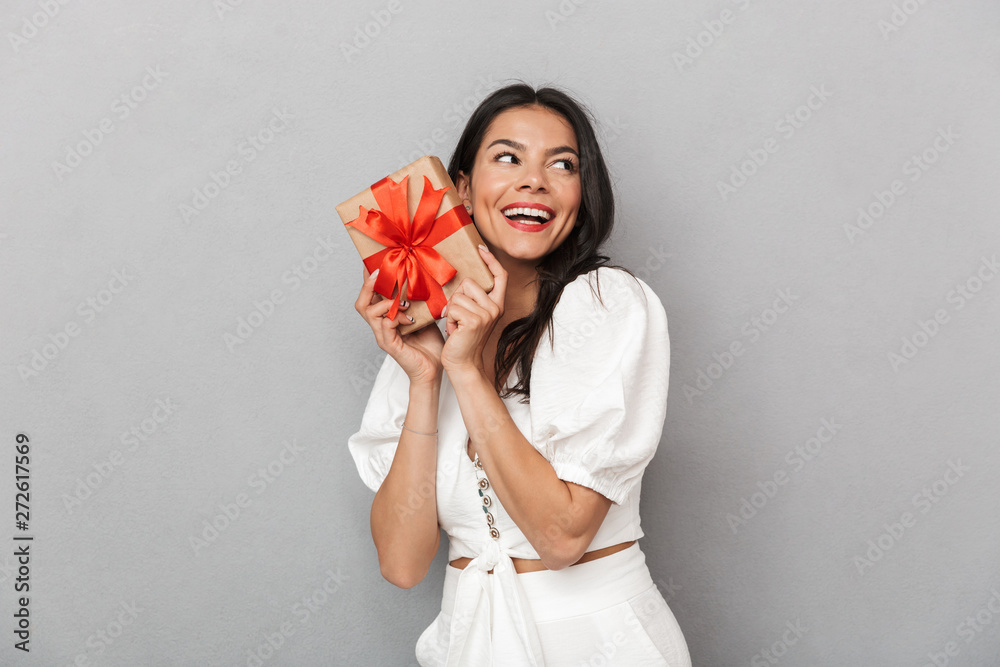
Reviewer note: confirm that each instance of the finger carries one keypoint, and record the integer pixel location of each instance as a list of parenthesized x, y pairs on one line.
[(377, 309), (467, 306), (471, 289), (367, 291), (385, 304), (380, 310), (388, 330), (374, 315), (499, 291), (394, 339), (465, 313), (402, 318), (451, 321)]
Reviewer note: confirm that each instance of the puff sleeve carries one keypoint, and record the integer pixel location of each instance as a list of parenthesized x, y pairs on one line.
[(599, 391), (374, 445)]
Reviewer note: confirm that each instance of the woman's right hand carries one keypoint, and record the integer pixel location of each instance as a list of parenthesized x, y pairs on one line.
[(418, 353)]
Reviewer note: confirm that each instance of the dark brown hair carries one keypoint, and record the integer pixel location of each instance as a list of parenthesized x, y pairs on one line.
[(578, 254)]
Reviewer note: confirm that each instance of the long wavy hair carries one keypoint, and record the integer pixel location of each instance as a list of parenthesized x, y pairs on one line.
[(578, 254)]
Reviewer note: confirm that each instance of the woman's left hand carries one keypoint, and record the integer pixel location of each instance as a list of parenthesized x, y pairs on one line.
[(472, 316)]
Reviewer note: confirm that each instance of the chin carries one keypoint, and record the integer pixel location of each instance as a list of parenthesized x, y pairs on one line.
[(525, 255)]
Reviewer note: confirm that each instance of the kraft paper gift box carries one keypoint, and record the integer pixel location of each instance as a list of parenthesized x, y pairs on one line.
[(412, 226)]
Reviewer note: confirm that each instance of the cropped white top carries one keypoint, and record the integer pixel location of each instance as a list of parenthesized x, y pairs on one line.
[(598, 402)]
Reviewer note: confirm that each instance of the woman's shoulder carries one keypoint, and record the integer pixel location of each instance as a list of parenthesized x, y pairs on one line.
[(609, 288), (602, 310)]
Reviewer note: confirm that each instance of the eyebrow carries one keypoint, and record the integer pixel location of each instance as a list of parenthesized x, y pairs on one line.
[(521, 147)]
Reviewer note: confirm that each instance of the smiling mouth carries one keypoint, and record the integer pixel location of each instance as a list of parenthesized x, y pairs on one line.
[(528, 215)]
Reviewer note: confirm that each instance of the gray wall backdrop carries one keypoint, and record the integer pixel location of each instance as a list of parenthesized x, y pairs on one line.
[(811, 188)]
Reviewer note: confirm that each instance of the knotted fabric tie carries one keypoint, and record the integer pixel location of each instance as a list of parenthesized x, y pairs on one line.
[(492, 624)]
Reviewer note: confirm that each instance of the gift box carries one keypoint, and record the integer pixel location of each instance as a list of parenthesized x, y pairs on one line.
[(412, 226)]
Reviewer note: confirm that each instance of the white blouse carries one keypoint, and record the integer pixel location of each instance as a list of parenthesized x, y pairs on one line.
[(598, 402)]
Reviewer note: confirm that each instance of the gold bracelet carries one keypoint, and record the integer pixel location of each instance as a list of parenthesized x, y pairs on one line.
[(417, 432)]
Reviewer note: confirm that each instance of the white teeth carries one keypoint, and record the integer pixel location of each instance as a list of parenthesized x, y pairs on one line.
[(534, 212)]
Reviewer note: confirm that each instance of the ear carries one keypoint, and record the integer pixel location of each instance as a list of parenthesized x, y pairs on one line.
[(463, 187)]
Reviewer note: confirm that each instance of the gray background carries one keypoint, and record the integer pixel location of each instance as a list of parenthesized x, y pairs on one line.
[(846, 549)]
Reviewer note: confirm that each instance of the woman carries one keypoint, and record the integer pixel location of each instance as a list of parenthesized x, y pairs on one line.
[(524, 435)]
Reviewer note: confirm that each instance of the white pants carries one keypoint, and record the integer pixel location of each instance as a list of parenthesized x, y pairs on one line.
[(598, 614)]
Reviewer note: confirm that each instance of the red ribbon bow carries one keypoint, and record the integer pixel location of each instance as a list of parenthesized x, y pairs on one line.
[(409, 255)]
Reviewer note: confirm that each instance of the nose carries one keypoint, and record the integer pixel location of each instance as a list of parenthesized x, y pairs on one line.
[(533, 179)]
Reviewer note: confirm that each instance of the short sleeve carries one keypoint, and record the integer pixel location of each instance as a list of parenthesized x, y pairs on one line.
[(374, 445), (599, 391)]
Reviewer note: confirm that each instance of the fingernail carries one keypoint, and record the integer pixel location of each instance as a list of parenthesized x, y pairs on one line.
[(374, 275), (444, 311), (482, 247), (404, 303), (411, 319)]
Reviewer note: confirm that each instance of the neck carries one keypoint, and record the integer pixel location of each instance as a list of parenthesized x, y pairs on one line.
[(522, 289)]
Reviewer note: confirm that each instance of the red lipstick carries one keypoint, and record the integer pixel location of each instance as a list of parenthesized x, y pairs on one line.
[(528, 226)]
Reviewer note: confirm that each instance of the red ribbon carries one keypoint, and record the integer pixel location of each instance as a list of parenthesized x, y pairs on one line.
[(409, 255)]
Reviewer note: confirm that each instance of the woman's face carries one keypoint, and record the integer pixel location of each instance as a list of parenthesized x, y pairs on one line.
[(525, 185)]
